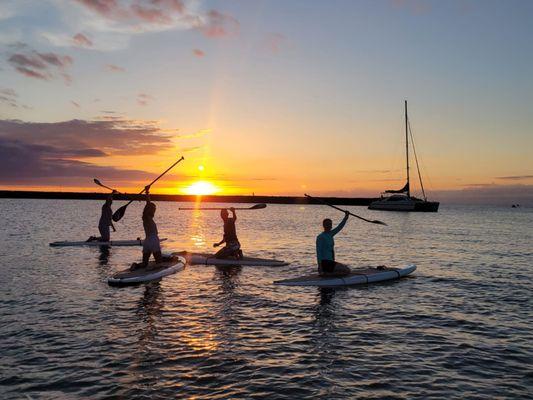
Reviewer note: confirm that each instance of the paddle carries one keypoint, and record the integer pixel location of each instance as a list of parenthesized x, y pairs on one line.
[(117, 215), (104, 186), (340, 209), (256, 207)]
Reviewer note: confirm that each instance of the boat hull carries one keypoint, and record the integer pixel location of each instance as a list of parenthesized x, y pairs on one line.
[(405, 205)]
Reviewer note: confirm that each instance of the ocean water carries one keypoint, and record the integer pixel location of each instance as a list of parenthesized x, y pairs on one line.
[(460, 327)]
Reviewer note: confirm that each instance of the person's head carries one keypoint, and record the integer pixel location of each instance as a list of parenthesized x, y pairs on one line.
[(327, 224), (149, 210), (109, 201), (224, 214)]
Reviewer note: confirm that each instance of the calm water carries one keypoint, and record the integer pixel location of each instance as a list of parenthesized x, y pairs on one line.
[(461, 327)]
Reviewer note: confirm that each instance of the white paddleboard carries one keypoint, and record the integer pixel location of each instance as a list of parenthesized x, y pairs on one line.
[(152, 272), (136, 242), (209, 259), (356, 277)]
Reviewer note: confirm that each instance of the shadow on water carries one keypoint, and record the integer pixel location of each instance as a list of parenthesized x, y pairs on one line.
[(228, 275), (324, 310), (104, 254), (146, 353), (148, 311)]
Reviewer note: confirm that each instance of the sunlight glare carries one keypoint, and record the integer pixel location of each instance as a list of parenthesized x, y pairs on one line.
[(201, 188)]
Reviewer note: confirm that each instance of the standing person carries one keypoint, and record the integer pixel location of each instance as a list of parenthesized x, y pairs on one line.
[(232, 249), (151, 243), (325, 249), (106, 221)]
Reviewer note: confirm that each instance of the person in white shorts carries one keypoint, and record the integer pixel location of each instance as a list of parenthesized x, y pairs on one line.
[(151, 243)]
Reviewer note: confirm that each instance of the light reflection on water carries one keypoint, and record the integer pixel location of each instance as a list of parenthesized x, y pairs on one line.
[(459, 328)]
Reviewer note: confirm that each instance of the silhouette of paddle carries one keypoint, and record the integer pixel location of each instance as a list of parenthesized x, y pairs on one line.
[(104, 186), (256, 207), (117, 215), (340, 209)]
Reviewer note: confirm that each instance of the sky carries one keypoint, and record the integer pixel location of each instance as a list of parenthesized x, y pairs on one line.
[(268, 97)]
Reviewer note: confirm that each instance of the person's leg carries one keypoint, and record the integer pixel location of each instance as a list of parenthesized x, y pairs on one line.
[(146, 258), (105, 234), (158, 257), (327, 267), (341, 269), (222, 253)]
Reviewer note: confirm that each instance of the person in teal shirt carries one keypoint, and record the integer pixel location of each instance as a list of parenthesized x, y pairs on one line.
[(325, 249)]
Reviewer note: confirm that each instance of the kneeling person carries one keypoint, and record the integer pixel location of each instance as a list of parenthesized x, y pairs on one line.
[(232, 249), (151, 241), (325, 250)]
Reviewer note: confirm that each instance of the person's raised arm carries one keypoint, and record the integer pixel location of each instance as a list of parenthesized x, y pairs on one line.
[(339, 227), (147, 190), (232, 209)]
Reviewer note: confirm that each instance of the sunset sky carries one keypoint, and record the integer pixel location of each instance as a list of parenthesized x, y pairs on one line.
[(266, 97)]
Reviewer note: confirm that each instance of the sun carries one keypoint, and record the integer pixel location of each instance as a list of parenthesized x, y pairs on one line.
[(201, 188)]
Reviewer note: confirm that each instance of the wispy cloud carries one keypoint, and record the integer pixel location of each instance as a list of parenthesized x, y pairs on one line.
[(43, 66), (515, 178), (81, 40), (274, 43), (138, 16), (143, 99), (75, 104), (216, 24), (10, 98), (198, 53), (115, 68), (199, 133)]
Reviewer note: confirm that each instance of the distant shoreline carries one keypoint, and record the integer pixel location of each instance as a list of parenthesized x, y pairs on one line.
[(28, 194)]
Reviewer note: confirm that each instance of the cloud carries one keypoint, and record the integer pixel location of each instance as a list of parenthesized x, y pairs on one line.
[(215, 24), (143, 99), (38, 164), (200, 133), (515, 178), (114, 137), (81, 40), (77, 105), (131, 17), (115, 68), (489, 194), (274, 43), (10, 97), (43, 66), (198, 53), (47, 153)]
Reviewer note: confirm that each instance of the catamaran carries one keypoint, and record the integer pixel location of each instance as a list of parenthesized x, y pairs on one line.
[(401, 200)]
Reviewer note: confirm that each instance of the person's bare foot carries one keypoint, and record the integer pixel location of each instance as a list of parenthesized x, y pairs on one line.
[(135, 266)]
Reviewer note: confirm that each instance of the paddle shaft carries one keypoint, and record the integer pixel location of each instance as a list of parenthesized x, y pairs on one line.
[(340, 209), (255, 207), (104, 186), (117, 215), (215, 209), (156, 179)]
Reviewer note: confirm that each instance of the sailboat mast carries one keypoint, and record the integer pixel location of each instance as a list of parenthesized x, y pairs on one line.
[(407, 150)]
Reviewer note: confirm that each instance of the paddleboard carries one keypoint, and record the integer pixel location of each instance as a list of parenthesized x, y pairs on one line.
[(356, 277), (210, 259), (152, 272), (136, 242)]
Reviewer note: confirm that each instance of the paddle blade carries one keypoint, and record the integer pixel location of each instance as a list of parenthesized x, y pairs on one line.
[(117, 215), (97, 182), (378, 222), (258, 206)]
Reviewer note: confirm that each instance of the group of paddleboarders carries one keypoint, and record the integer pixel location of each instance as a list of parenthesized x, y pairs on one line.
[(325, 244), (151, 242)]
